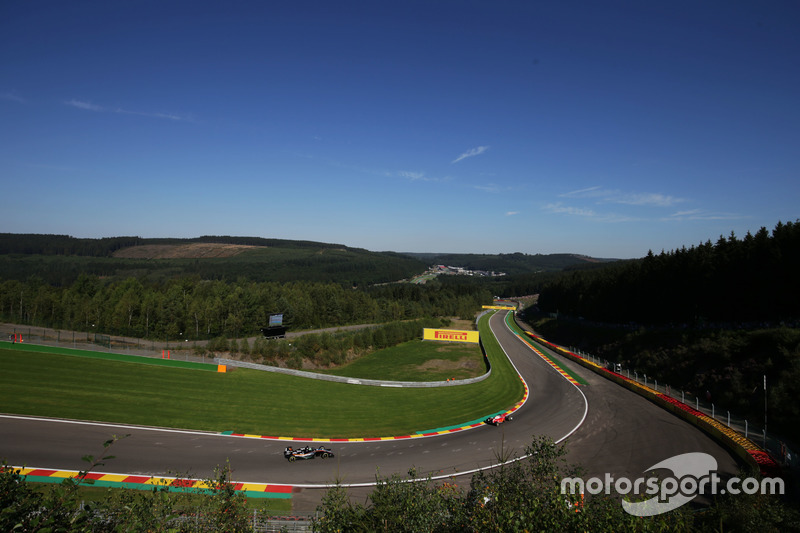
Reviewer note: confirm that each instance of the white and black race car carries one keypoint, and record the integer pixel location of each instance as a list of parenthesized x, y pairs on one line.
[(307, 452)]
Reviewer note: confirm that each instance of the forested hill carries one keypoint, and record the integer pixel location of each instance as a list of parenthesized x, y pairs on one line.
[(40, 244), (735, 280), (516, 263), (59, 260)]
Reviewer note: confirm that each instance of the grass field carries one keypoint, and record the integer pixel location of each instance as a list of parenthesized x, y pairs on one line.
[(417, 361), (243, 401)]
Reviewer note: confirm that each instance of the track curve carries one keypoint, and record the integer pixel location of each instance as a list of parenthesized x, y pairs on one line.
[(609, 429), (554, 407)]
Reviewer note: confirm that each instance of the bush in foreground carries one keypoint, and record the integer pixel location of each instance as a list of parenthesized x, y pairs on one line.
[(525, 495), (521, 495), (59, 508)]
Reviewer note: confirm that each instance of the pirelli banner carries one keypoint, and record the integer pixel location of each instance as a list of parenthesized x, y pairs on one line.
[(450, 335), (501, 307)]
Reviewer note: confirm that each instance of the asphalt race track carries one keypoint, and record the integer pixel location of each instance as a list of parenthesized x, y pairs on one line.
[(612, 430)]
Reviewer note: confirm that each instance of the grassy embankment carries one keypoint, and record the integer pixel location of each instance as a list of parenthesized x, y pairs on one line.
[(243, 401), (417, 361)]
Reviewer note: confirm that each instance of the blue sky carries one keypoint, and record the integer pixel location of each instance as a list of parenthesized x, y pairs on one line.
[(600, 128)]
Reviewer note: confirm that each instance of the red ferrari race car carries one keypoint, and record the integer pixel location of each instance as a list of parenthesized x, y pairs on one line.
[(306, 452), (498, 419)]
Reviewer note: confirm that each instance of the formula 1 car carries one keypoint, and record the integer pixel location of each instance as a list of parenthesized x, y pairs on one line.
[(306, 452), (498, 419)]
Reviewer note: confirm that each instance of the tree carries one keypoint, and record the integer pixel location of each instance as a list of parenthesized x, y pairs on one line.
[(59, 508)]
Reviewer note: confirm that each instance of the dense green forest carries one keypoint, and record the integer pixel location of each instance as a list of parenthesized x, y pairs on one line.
[(64, 282), (41, 244), (60, 260), (193, 308), (712, 320), (753, 279), (516, 263)]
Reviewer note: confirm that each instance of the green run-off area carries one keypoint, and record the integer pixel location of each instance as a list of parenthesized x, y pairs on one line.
[(243, 401), (417, 361)]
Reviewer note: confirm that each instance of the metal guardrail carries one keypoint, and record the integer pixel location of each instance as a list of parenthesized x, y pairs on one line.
[(85, 340), (781, 450), (353, 381)]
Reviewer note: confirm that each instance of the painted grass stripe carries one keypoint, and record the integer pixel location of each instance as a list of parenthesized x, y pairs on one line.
[(100, 479), (272, 495), (42, 479), (470, 424), (573, 378)]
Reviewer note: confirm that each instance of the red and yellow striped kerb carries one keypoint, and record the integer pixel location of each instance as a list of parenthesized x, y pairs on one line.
[(549, 361), (99, 479)]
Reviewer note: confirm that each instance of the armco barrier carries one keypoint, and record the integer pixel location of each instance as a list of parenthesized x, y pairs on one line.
[(356, 381), (744, 448)]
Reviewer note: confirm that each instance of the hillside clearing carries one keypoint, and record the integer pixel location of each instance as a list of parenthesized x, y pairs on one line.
[(195, 250)]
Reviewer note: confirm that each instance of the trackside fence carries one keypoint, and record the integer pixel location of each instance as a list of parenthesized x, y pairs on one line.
[(87, 340), (781, 450)]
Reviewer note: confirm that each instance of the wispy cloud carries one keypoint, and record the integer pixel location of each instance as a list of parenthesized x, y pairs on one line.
[(561, 209), (418, 176), (471, 153), (88, 106), (699, 214), (655, 199), (11, 97), (490, 187), (582, 193), (168, 116), (413, 176), (612, 196), (512, 213)]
